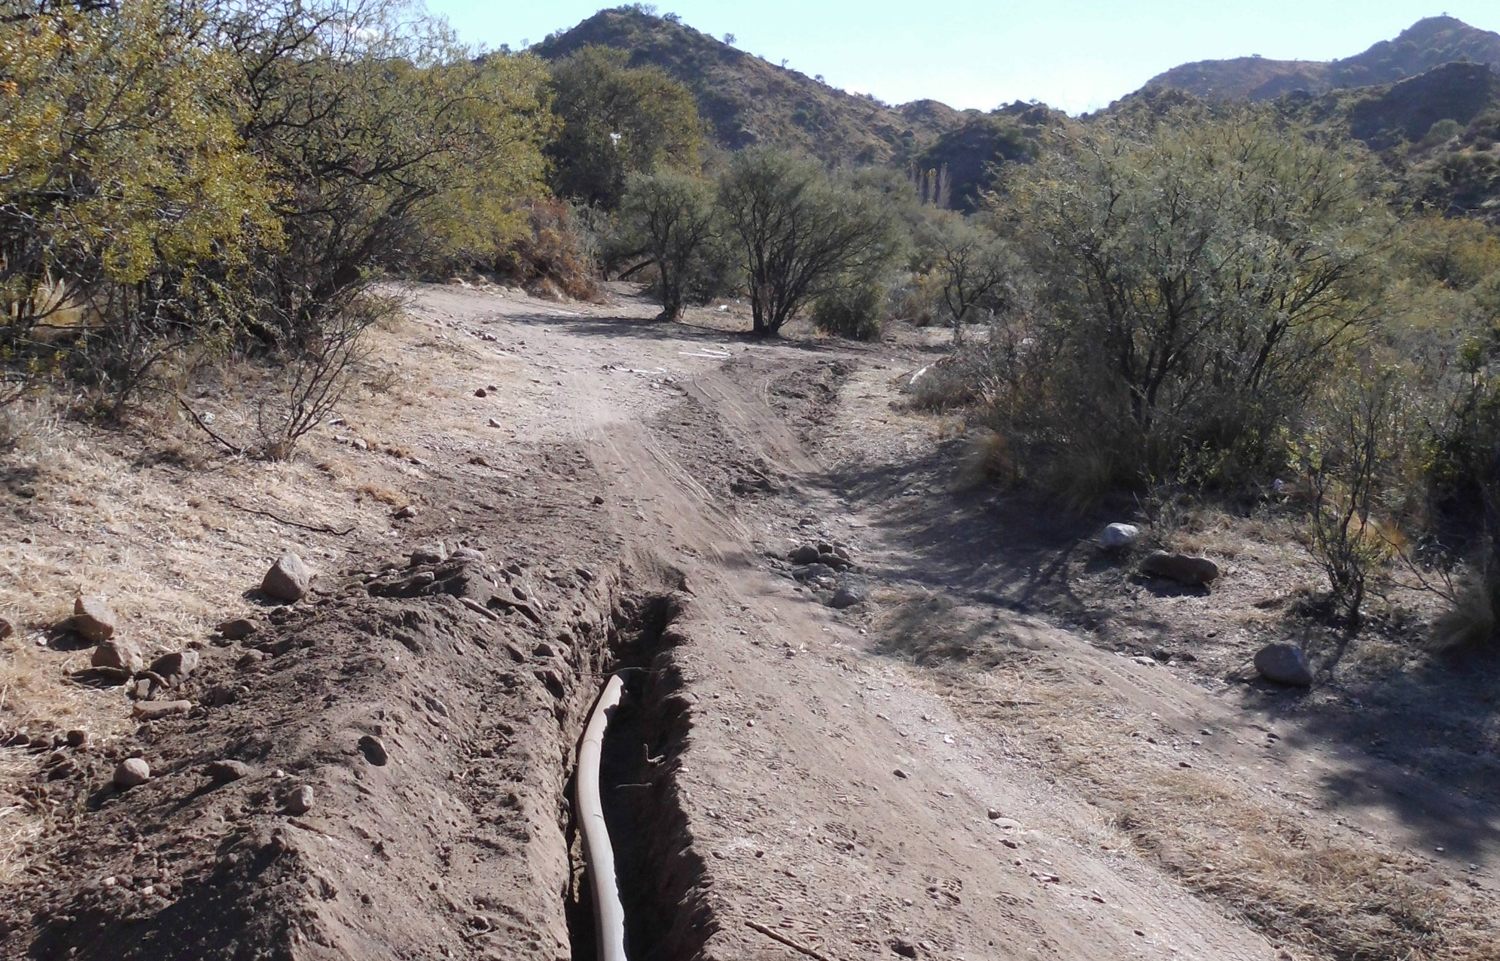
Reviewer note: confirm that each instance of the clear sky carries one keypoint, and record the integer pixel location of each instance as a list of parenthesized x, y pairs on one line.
[(1075, 54)]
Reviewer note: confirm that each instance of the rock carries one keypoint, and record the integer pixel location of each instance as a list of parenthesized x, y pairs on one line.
[(994, 815), (435, 554), (598, 499), (287, 579), (6, 629), (299, 800), (238, 629), (222, 772), (903, 947), (1182, 568), (76, 737), (250, 659), (405, 513), (374, 750), (495, 423), (178, 664), (468, 555), (92, 619), (481, 392), (141, 690), (849, 593), (117, 655), (806, 554), (812, 572), (1284, 664), (1117, 537), (131, 772), (153, 710)]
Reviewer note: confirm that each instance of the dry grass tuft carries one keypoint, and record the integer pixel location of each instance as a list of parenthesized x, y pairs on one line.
[(1469, 622)]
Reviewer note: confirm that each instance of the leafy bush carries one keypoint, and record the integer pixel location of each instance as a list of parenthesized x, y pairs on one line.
[(853, 309), (669, 217)]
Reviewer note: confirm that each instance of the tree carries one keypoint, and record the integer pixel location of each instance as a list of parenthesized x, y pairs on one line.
[(1200, 268), (797, 233), (972, 264), (670, 216), (616, 120)]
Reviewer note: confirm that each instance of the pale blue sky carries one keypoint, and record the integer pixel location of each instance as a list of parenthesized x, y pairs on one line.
[(1074, 54)]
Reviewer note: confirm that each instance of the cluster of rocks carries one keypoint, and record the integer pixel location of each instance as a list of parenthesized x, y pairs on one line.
[(824, 568), (1186, 569)]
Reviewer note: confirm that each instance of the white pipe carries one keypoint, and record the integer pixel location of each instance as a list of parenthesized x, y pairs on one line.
[(598, 856)]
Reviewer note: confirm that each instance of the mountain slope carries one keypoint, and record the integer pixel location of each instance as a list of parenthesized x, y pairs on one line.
[(1426, 44), (749, 101)]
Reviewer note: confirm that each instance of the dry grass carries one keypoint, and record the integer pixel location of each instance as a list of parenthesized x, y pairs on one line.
[(154, 519), (1305, 880)]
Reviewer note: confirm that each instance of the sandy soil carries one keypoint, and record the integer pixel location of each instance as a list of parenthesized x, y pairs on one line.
[(1009, 749)]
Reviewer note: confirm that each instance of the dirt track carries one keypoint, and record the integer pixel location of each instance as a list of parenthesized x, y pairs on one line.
[(828, 773)]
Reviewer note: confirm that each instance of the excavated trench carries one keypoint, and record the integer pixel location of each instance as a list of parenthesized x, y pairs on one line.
[(657, 873)]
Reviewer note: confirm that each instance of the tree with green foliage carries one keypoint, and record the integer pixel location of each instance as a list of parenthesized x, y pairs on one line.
[(797, 233), (616, 120), (972, 264), (1197, 274), (670, 216)]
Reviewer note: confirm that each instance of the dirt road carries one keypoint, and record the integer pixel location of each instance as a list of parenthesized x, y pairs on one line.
[(940, 769)]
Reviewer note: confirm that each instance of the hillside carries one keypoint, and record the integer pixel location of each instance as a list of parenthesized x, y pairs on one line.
[(750, 101), (1426, 44)]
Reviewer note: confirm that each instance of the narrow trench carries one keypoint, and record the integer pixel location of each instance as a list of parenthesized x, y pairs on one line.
[(657, 871)]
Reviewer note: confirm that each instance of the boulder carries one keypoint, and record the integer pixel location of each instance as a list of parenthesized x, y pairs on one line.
[(806, 554), (222, 772), (1118, 537), (131, 772), (299, 800), (176, 665), (287, 579), (92, 619), (851, 591), (237, 629), (117, 654), (1182, 568), (1284, 664)]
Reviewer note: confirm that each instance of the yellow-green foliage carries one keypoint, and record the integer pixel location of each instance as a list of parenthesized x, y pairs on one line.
[(118, 151)]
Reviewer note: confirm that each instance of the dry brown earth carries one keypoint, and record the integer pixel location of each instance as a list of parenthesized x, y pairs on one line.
[(1010, 749)]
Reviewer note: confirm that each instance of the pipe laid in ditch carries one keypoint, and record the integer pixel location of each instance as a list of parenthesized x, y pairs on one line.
[(598, 855)]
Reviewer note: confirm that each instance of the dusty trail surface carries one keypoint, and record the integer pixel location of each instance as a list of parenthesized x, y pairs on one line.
[(954, 766)]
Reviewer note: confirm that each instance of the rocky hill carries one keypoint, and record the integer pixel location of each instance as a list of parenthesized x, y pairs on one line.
[(1428, 43), (748, 100)]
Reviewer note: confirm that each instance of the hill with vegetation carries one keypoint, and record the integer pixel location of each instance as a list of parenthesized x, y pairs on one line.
[(1426, 44), (749, 101)]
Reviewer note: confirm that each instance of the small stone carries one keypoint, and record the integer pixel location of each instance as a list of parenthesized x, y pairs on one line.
[(298, 801), (117, 654), (994, 815), (481, 392), (287, 579), (154, 710), (374, 750), (178, 664), (495, 423), (131, 772), (903, 947), (1182, 568), (1117, 537), (598, 499), (468, 555), (250, 659), (1284, 664), (238, 629), (92, 619), (6, 629), (900, 773), (141, 689), (405, 513), (77, 737), (222, 772)]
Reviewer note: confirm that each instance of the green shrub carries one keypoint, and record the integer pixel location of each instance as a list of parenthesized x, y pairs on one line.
[(853, 310)]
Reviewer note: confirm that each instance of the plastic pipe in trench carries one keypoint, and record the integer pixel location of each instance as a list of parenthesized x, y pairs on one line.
[(598, 855)]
